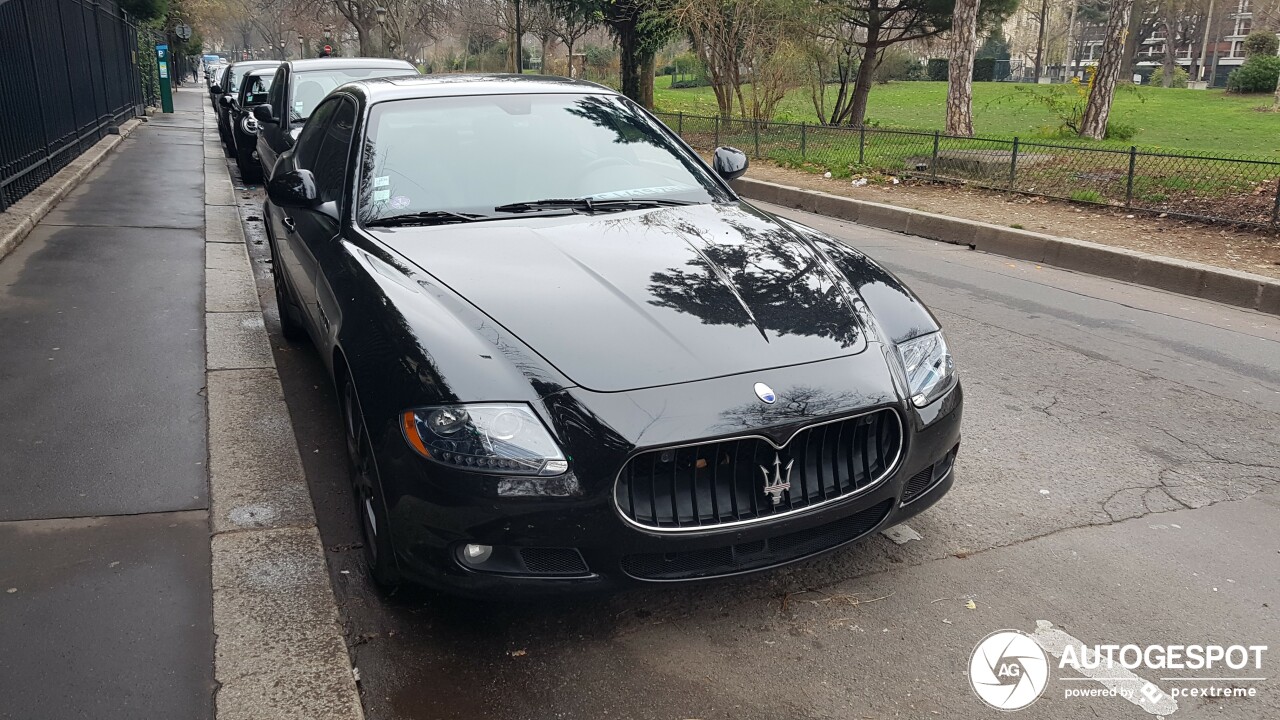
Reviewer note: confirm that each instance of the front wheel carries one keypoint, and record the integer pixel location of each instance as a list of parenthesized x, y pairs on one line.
[(379, 559), (250, 170)]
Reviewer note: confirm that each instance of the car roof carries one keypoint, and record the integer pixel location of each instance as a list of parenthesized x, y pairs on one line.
[(256, 63), (448, 85), (345, 62), (262, 71)]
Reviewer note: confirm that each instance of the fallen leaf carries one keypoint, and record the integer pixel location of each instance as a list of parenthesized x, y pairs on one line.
[(971, 605)]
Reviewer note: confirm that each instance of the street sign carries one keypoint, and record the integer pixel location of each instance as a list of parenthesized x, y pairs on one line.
[(183, 32)]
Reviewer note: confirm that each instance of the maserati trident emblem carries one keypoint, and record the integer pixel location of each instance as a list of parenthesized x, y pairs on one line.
[(779, 483), (765, 393)]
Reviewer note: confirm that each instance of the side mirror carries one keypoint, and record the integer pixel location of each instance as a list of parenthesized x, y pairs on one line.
[(224, 100), (264, 115), (729, 162), (296, 189), (216, 89)]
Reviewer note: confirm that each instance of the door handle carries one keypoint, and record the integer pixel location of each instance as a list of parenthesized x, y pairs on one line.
[(288, 224)]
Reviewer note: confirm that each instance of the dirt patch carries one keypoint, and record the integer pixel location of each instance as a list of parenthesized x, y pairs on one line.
[(1244, 249)]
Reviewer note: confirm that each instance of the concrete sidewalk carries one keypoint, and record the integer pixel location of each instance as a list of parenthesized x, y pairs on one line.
[(105, 593)]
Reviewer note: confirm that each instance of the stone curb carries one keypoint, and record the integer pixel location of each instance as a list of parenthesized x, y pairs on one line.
[(279, 650), (20, 219), (1230, 287)]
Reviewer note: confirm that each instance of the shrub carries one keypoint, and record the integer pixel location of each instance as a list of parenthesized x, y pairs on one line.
[(1088, 196), (984, 69), (1261, 42), (1180, 77), (895, 64), (1258, 74), (937, 69)]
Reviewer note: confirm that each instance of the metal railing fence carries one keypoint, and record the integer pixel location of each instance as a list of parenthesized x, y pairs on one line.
[(1238, 190), (68, 75)]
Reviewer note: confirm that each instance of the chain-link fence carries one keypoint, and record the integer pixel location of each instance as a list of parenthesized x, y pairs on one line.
[(1232, 189)]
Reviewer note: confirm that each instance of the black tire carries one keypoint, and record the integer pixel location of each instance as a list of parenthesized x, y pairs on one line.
[(290, 327), (367, 490), (250, 170)]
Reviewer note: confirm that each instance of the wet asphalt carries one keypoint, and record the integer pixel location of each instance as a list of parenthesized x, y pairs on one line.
[(1118, 480)]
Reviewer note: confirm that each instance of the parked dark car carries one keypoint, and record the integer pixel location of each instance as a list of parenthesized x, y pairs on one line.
[(214, 79), (568, 356), (254, 90), (297, 89), (226, 91)]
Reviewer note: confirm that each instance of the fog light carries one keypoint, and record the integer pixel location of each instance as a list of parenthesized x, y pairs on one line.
[(476, 554)]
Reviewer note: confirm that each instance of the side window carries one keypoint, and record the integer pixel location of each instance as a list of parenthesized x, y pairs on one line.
[(330, 167), (307, 149), (277, 93)]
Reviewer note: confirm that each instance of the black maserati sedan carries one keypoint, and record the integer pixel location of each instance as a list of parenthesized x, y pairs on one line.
[(569, 356), (299, 86)]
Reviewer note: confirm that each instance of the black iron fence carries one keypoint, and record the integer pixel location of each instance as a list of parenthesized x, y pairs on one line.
[(1232, 189), (68, 75)]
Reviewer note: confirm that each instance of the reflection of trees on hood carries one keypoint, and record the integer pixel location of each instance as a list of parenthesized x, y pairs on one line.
[(796, 404), (769, 277)]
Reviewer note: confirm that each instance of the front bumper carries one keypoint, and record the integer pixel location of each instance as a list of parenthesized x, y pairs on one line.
[(431, 522)]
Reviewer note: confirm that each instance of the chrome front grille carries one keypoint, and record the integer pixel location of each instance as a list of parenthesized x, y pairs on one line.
[(726, 481)]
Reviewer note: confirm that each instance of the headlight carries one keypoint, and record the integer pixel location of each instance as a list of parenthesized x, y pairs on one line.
[(249, 124), (929, 367), (494, 438)]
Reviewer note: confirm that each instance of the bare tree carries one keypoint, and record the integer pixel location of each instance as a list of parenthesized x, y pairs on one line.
[(874, 25), (1093, 124), (573, 20), (964, 46)]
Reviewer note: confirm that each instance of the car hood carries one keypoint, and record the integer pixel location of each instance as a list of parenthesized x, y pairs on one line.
[(646, 298)]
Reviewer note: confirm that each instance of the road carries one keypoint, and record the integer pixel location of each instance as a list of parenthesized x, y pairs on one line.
[(1118, 479)]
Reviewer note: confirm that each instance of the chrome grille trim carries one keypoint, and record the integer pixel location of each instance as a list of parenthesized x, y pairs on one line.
[(889, 470)]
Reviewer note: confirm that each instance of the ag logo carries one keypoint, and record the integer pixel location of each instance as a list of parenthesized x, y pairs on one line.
[(1008, 670)]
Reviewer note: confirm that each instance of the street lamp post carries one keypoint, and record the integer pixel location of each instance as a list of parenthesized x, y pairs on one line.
[(302, 47), (381, 14), (283, 56)]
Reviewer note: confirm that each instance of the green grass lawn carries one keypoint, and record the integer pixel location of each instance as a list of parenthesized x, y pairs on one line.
[(1170, 120)]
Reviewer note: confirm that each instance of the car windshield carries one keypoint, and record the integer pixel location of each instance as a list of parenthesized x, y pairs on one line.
[(472, 155), (234, 76), (311, 86), (258, 84)]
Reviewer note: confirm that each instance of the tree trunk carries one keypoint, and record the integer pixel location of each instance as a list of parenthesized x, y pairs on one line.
[(519, 40), (1044, 20), (1131, 39), (568, 44), (1071, 39), (964, 46), (1094, 122), (647, 71), (862, 86), (629, 59), (1170, 59)]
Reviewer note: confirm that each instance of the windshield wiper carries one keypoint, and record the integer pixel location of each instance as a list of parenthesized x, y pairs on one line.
[(429, 217), (589, 205)]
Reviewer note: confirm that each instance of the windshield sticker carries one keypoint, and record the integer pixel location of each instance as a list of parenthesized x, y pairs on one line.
[(640, 192), (382, 181), (381, 195), (298, 105), (399, 202)]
